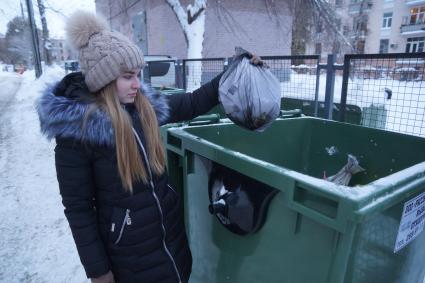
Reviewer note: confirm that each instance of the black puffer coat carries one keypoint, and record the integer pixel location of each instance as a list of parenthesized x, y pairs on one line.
[(140, 236)]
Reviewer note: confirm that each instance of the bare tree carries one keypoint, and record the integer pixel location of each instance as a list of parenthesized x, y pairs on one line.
[(17, 42), (192, 22), (45, 38), (307, 16), (230, 24), (360, 26)]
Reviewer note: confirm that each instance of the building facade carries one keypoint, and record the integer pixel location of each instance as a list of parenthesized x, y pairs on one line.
[(262, 27), (375, 26)]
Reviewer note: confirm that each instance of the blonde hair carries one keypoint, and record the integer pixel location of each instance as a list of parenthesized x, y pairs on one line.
[(130, 165)]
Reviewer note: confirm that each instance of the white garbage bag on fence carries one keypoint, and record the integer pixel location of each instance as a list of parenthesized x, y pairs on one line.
[(250, 94)]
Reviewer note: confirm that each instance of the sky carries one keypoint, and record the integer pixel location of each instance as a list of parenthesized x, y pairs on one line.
[(56, 13)]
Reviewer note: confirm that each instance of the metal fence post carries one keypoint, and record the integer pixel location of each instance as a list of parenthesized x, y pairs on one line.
[(146, 74), (184, 74), (178, 66), (344, 89), (330, 83), (316, 91), (225, 64)]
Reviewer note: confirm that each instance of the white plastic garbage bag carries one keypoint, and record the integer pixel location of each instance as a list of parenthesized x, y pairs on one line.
[(344, 175), (250, 94)]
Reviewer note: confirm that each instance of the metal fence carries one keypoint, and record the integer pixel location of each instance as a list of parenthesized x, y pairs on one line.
[(389, 89), (197, 72), (298, 75), (383, 91)]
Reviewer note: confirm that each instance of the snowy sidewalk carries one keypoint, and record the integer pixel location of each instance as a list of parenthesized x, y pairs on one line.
[(9, 85), (36, 244)]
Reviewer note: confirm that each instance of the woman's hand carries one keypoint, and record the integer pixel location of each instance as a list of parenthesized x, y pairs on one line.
[(105, 278), (256, 60)]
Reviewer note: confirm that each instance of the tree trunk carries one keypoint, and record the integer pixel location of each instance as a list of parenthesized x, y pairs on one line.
[(192, 23), (45, 38)]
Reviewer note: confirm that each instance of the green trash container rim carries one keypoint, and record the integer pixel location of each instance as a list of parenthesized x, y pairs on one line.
[(374, 196)]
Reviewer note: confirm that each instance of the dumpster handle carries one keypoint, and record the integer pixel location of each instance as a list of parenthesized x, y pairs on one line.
[(290, 113), (204, 120), (315, 205)]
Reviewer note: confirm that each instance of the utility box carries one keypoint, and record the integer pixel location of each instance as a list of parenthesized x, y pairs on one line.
[(374, 116)]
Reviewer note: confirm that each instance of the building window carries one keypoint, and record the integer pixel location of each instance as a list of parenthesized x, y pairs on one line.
[(318, 49), (360, 23), (360, 46), (336, 48), (417, 15), (387, 20), (319, 27), (415, 44), (345, 30), (404, 20), (383, 45), (338, 24)]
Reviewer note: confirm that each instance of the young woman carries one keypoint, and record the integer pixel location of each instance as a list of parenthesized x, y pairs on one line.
[(110, 163)]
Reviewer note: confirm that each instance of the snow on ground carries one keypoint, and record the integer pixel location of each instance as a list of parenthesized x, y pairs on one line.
[(35, 239), (9, 84)]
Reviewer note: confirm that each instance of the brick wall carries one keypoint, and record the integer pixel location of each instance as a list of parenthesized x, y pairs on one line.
[(262, 27)]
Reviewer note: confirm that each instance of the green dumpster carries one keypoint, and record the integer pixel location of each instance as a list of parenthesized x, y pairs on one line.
[(169, 90), (313, 230), (353, 113)]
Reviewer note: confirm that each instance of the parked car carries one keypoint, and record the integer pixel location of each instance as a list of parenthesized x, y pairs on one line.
[(7, 68), (159, 71), (71, 66)]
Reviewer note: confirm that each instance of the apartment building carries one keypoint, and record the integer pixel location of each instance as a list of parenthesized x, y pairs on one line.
[(376, 26)]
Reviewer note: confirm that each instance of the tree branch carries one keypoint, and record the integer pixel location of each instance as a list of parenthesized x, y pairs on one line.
[(190, 18), (325, 12), (180, 14)]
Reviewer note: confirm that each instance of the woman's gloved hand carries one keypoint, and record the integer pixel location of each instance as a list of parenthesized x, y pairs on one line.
[(256, 60), (105, 278)]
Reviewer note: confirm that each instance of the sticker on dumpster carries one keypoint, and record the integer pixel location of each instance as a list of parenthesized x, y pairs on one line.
[(412, 221)]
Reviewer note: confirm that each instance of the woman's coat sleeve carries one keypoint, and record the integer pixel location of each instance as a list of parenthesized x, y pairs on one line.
[(187, 106), (74, 173)]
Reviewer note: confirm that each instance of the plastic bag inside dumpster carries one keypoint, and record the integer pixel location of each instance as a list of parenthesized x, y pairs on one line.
[(344, 175), (239, 202), (250, 94)]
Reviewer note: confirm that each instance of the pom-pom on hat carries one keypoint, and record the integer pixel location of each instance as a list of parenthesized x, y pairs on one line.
[(103, 54)]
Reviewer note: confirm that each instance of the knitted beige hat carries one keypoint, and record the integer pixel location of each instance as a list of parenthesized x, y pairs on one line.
[(103, 55)]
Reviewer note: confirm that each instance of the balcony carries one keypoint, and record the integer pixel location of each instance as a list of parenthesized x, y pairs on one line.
[(356, 8), (360, 34), (413, 3), (414, 29)]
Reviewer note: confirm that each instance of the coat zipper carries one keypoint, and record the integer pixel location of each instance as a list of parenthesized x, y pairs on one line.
[(171, 188), (126, 221), (158, 204)]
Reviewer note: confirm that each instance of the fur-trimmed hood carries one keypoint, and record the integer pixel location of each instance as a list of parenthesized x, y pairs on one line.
[(63, 106)]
